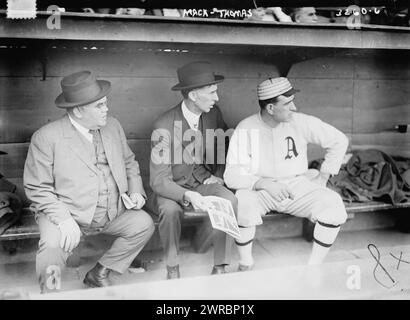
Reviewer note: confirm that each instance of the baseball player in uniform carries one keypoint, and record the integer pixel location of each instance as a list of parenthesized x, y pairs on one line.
[(267, 166)]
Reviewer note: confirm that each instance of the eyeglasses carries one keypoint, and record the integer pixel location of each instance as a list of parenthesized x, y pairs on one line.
[(101, 104)]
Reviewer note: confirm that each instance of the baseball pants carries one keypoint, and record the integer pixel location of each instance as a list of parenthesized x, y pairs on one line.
[(312, 201)]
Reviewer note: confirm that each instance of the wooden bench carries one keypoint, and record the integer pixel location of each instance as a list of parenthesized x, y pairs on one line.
[(27, 228)]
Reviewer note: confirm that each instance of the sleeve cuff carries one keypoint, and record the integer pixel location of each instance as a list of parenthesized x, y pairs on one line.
[(332, 170)]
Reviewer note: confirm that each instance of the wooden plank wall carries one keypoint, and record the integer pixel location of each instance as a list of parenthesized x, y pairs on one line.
[(363, 95)]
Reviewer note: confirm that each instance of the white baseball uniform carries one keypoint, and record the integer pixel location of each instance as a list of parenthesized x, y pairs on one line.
[(257, 150)]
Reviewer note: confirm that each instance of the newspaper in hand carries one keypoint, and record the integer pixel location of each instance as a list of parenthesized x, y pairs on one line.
[(222, 216)]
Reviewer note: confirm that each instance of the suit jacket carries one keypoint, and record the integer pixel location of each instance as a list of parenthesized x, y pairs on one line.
[(60, 177), (172, 160)]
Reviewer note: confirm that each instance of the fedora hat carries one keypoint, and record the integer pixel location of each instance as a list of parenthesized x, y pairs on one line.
[(195, 75), (81, 88), (274, 87)]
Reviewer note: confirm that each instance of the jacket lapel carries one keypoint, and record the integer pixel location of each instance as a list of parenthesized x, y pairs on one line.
[(180, 127), (114, 155), (208, 146), (75, 144), (107, 143)]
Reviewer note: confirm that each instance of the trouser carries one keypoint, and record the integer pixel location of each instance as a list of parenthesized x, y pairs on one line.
[(320, 205), (170, 213), (131, 230), (311, 201)]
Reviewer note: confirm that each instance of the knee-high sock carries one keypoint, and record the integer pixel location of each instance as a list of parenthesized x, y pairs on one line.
[(323, 236), (244, 245)]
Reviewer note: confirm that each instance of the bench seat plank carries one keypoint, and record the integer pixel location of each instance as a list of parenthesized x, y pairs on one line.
[(357, 207), (27, 228)]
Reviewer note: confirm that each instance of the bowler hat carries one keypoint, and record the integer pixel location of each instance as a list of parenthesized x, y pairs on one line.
[(195, 75), (81, 88)]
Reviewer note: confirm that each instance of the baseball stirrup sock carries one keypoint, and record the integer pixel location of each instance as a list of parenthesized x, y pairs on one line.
[(244, 245), (325, 234)]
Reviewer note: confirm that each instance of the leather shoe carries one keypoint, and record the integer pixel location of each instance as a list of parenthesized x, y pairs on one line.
[(242, 267), (97, 277), (173, 272), (218, 269)]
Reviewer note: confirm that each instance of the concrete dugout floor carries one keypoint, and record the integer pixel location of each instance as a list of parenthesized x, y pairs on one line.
[(273, 257)]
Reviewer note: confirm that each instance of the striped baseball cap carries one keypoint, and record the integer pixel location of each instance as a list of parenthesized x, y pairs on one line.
[(274, 87)]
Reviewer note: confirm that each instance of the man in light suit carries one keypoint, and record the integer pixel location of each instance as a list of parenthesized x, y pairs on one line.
[(77, 170), (192, 170)]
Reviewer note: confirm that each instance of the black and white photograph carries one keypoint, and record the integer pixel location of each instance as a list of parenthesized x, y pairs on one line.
[(122, 122)]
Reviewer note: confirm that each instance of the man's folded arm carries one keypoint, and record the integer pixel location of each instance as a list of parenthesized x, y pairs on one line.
[(332, 140), (39, 181)]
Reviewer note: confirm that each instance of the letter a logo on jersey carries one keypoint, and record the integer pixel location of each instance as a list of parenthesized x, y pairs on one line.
[(291, 148)]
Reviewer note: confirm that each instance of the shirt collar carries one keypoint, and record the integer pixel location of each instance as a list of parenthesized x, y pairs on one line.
[(83, 130), (264, 123), (189, 115)]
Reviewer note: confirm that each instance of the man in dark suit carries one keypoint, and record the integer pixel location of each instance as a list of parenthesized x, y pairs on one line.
[(183, 164), (77, 170)]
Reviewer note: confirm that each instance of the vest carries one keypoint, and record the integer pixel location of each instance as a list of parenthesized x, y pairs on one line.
[(108, 193)]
